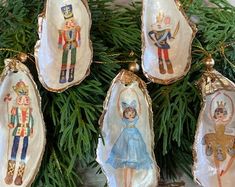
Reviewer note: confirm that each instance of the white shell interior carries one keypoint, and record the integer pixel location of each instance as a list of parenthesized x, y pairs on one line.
[(49, 57), (36, 142), (112, 127), (180, 46), (205, 170)]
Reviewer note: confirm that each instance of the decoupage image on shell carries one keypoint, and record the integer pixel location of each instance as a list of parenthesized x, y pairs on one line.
[(22, 131), (126, 151), (64, 51), (214, 147), (166, 41)]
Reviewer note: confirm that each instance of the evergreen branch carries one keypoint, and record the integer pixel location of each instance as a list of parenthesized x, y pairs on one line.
[(71, 117)]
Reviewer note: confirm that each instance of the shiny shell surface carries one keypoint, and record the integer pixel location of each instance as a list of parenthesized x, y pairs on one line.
[(64, 51), (126, 151), (22, 130), (214, 147), (166, 41)]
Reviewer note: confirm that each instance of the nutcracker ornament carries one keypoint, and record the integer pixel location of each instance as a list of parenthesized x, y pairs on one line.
[(126, 155), (70, 34), (21, 126), (160, 34), (64, 52), (214, 147), (167, 38)]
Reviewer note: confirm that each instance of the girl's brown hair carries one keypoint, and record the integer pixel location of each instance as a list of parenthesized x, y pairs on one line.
[(128, 109)]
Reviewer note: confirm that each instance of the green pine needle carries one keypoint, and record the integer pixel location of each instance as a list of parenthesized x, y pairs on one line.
[(72, 117)]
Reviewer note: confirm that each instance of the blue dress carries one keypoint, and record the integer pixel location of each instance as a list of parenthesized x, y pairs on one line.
[(129, 151)]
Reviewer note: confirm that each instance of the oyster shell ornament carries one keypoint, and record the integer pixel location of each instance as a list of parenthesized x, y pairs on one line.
[(166, 41), (214, 147), (126, 151), (22, 130), (64, 51)]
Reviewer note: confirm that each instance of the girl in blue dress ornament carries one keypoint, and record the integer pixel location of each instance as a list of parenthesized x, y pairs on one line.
[(129, 151)]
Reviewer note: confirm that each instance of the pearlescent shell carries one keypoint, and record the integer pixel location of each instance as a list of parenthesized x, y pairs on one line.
[(167, 38), (214, 148), (37, 141), (127, 143), (58, 33)]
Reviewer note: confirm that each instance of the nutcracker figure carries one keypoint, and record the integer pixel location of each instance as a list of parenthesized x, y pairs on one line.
[(69, 40), (21, 120), (160, 34)]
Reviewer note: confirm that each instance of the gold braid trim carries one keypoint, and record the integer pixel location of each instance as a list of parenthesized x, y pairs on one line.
[(21, 169), (11, 167)]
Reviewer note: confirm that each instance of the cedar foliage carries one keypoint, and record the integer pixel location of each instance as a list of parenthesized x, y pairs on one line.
[(72, 117)]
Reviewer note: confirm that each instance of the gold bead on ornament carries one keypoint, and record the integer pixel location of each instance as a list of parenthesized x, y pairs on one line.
[(134, 66), (209, 62), (22, 57)]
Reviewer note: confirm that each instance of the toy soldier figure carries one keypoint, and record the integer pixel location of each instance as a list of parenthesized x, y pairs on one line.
[(22, 122), (160, 34), (70, 37)]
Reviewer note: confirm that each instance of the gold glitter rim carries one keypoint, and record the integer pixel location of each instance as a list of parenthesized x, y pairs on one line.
[(188, 64), (21, 67), (204, 93), (128, 77), (37, 46)]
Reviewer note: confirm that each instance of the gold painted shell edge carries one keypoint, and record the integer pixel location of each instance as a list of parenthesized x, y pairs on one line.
[(143, 87), (198, 125), (37, 46), (25, 70), (188, 65)]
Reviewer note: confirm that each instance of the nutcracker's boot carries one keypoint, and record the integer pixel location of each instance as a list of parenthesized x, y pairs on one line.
[(10, 172), (71, 73), (169, 67), (20, 174), (63, 74), (161, 66)]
